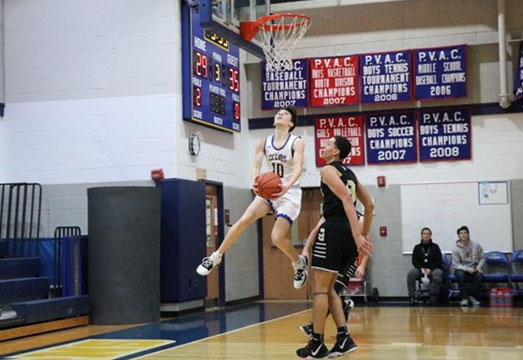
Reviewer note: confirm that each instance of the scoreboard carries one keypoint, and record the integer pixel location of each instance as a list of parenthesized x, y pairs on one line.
[(211, 76)]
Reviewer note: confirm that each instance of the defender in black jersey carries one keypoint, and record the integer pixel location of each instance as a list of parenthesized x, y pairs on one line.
[(339, 238), (354, 269)]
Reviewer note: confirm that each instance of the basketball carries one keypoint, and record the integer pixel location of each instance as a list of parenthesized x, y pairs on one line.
[(268, 184)]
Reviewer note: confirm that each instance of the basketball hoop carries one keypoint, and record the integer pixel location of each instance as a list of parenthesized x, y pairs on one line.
[(279, 35)]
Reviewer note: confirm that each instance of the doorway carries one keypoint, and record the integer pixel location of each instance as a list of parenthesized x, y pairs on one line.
[(214, 237)]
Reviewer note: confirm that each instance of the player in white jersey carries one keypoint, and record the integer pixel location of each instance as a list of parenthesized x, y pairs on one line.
[(284, 152)]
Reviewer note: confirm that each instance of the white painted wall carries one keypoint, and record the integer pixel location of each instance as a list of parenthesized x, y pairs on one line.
[(94, 94)]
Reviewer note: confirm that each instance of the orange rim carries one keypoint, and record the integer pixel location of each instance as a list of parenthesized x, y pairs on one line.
[(249, 29)]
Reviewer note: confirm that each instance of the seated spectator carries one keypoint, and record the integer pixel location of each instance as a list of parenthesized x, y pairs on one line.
[(426, 259), (468, 261)]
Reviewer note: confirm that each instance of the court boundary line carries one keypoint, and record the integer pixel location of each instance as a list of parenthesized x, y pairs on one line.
[(224, 333), (22, 355)]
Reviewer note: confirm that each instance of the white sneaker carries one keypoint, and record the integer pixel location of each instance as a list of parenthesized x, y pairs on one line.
[(301, 272), (464, 302), (348, 305), (474, 301), (209, 263)]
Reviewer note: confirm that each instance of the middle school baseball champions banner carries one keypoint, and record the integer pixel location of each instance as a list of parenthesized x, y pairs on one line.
[(441, 73)]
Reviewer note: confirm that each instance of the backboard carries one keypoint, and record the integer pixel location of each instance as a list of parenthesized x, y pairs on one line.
[(224, 17)]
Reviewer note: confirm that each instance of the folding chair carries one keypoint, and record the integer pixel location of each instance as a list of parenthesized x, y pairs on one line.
[(497, 268), (516, 278)]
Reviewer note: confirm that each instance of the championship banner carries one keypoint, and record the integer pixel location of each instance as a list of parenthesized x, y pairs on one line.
[(386, 77), (391, 138), (287, 87), (441, 73), (334, 81), (518, 84), (350, 127), (445, 135)]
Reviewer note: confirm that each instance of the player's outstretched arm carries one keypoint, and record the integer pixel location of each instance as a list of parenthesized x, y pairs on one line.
[(366, 200), (258, 162), (330, 177)]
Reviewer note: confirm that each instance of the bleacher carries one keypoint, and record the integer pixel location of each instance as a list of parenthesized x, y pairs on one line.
[(42, 280)]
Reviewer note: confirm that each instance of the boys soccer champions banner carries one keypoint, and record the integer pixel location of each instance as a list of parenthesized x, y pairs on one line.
[(386, 77), (445, 135), (334, 81), (440, 73), (391, 138), (350, 127), (284, 88)]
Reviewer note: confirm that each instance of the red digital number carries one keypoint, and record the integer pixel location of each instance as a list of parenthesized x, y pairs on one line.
[(234, 81), (197, 96), (201, 65), (237, 111)]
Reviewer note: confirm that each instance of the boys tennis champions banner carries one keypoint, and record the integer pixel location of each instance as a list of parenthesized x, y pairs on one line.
[(445, 134), (284, 88), (386, 77), (350, 127), (440, 73)]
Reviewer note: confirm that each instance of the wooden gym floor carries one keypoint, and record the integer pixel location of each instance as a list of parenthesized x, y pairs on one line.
[(269, 330)]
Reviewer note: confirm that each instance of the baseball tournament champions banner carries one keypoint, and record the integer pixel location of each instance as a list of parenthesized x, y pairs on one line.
[(334, 81), (445, 135), (440, 73), (386, 77), (284, 88), (391, 138), (518, 84), (350, 127)]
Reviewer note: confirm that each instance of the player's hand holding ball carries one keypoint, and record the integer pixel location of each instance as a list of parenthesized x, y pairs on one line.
[(267, 185)]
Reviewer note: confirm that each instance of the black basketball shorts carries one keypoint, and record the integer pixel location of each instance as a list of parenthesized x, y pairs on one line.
[(334, 246)]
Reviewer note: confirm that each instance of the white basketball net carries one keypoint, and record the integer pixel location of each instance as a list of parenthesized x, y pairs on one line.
[(279, 38)]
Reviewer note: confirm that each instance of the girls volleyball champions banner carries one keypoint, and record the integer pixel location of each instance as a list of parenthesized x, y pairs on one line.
[(391, 138), (350, 127), (334, 81), (445, 135), (440, 73), (284, 88), (386, 77)]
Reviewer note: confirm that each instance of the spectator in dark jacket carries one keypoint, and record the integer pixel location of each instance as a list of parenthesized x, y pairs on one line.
[(426, 259)]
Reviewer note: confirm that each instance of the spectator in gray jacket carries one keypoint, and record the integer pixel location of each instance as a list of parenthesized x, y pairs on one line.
[(467, 261)]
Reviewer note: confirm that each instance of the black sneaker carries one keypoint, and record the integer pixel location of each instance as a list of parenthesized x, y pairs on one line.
[(343, 346), (313, 351), (413, 301), (307, 330)]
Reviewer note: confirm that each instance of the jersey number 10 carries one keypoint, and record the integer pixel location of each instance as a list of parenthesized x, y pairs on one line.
[(277, 169)]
